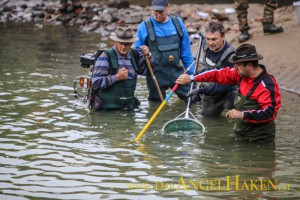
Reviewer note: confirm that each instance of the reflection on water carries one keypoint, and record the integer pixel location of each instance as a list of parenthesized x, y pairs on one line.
[(54, 148)]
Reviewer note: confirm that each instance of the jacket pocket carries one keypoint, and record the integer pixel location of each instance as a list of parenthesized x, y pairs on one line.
[(169, 54)]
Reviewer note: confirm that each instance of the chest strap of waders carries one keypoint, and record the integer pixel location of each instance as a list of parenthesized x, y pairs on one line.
[(224, 55), (151, 32), (113, 60), (263, 76)]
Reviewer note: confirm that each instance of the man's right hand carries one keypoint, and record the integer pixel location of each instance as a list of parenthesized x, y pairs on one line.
[(183, 79), (122, 74), (145, 50)]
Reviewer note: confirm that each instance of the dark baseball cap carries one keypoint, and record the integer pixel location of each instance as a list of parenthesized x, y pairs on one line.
[(159, 4)]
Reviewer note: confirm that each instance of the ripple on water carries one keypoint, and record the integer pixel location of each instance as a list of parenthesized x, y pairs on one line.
[(12, 128), (71, 135), (27, 103), (20, 98), (36, 131), (41, 75), (61, 87), (65, 109), (48, 104), (5, 93), (69, 124)]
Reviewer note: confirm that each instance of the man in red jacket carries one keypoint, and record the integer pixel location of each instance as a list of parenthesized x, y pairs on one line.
[(258, 99)]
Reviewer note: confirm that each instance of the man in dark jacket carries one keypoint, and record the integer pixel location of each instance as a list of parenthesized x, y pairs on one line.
[(216, 52)]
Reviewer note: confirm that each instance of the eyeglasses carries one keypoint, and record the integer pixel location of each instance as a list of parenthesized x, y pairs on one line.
[(234, 56)]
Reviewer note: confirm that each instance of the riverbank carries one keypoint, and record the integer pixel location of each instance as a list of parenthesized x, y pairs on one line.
[(280, 51)]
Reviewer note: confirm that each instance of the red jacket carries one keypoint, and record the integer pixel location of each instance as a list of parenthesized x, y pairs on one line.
[(266, 94)]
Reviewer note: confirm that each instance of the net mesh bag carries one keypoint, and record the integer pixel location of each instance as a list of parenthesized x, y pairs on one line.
[(183, 124)]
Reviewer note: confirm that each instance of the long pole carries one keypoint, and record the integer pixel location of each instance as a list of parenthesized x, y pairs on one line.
[(154, 78), (161, 107), (195, 69)]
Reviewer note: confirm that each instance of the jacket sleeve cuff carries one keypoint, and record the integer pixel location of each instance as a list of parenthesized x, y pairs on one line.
[(113, 79), (246, 115)]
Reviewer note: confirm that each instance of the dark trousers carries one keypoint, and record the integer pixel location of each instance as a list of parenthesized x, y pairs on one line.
[(242, 6)]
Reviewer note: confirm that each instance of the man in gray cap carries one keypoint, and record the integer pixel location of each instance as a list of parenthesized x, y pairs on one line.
[(168, 40), (258, 99), (115, 73)]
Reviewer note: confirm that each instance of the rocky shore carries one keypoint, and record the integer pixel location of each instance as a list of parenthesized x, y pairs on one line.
[(104, 18)]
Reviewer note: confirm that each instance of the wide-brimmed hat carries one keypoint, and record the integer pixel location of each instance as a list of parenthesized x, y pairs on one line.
[(123, 34), (159, 5), (245, 52)]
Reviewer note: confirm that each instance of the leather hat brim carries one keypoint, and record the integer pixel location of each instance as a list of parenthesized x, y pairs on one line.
[(258, 57), (115, 38)]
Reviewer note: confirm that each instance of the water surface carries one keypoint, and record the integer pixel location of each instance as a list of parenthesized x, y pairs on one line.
[(52, 147)]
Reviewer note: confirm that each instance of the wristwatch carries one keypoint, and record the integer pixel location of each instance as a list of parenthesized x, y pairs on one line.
[(192, 77), (150, 54)]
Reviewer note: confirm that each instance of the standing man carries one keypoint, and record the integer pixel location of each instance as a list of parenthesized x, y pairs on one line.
[(216, 52), (115, 73), (267, 21), (168, 41), (258, 98)]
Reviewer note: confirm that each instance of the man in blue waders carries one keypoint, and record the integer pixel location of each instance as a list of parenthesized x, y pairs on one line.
[(115, 73), (168, 41), (258, 99)]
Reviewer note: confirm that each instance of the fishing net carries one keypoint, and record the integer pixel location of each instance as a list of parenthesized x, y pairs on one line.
[(184, 123)]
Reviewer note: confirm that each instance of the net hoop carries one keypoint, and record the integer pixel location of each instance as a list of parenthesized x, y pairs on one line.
[(179, 118)]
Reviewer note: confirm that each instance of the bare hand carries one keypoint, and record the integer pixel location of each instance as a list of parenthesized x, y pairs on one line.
[(234, 114), (145, 50), (183, 79), (122, 74)]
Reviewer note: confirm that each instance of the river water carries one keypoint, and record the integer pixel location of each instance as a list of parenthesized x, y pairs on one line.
[(51, 147)]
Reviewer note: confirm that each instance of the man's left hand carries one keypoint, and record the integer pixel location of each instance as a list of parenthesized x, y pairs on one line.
[(234, 114)]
